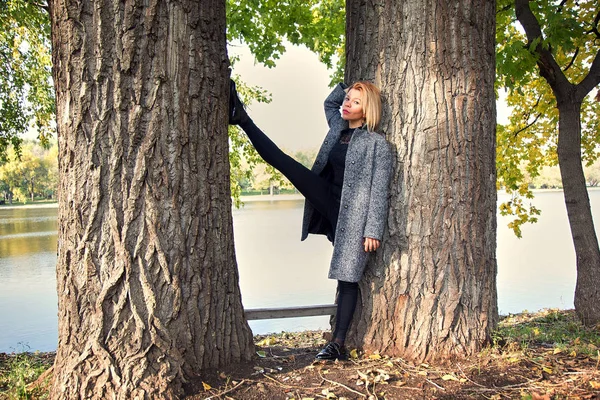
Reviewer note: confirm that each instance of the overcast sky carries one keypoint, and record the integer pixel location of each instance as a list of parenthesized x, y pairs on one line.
[(294, 120)]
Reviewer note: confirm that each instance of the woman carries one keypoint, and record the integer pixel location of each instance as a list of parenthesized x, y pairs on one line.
[(346, 190)]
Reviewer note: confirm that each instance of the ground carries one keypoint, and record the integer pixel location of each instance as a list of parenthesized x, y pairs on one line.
[(543, 356), (286, 369)]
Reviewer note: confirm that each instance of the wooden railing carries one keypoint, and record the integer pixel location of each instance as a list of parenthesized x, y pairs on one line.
[(290, 312)]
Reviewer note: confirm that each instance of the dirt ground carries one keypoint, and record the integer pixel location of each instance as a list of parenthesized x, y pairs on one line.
[(540, 356), (285, 369)]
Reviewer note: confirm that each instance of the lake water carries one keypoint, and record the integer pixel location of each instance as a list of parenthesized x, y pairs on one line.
[(276, 269)]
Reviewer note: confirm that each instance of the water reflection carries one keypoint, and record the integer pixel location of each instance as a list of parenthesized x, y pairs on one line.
[(276, 269)]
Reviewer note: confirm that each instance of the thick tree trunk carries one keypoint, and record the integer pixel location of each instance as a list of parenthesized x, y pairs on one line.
[(147, 279), (587, 290), (431, 290)]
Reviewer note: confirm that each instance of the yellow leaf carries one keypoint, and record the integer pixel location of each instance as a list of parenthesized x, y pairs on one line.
[(557, 351), (375, 356), (462, 380), (353, 354), (269, 341), (573, 353), (424, 373), (595, 385), (206, 386), (547, 370), (389, 364), (449, 377)]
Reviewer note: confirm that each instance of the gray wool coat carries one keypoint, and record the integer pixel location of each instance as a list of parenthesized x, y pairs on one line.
[(364, 202)]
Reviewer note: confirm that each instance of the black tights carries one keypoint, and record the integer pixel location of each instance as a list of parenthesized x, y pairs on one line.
[(346, 303), (314, 188), (317, 192)]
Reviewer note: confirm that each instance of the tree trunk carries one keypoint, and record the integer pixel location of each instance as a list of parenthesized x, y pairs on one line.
[(430, 292), (587, 289), (147, 280), (568, 99)]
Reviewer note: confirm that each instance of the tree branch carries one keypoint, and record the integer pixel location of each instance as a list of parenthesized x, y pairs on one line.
[(572, 60), (594, 28), (560, 6), (505, 8), (528, 125), (591, 80), (549, 68)]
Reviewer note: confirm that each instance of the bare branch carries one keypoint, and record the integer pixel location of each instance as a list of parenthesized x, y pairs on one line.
[(594, 28), (505, 8), (528, 125), (560, 6), (572, 60)]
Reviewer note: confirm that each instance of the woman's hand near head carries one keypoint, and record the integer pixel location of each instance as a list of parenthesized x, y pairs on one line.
[(371, 244)]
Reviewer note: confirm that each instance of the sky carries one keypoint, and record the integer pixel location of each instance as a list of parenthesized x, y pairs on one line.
[(299, 84)]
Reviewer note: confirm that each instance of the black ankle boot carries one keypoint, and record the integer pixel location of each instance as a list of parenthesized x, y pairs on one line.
[(237, 114)]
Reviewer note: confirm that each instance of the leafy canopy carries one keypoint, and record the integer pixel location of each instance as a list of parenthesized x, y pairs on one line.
[(264, 25), (529, 141), (26, 93)]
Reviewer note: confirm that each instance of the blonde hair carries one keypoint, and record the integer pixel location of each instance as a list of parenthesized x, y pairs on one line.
[(371, 103)]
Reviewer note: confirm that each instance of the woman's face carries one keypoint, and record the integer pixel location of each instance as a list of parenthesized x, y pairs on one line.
[(352, 108)]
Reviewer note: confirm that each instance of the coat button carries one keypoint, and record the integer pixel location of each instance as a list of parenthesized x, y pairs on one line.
[(349, 185), (326, 142), (353, 162), (345, 206)]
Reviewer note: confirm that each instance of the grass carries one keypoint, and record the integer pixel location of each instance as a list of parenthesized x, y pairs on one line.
[(19, 370), (556, 329)]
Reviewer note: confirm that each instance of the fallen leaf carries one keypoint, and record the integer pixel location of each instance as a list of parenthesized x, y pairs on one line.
[(449, 377), (206, 386), (267, 341), (537, 396), (595, 385), (354, 354), (261, 354), (375, 356), (557, 351)]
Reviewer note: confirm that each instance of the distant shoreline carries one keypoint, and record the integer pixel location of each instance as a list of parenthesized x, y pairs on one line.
[(260, 197), (244, 199)]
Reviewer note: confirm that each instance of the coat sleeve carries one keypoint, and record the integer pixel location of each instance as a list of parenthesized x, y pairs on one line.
[(333, 103), (380, 182)]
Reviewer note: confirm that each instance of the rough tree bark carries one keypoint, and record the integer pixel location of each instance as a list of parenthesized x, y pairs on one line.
[(147, 279), (431, 291), (569, 98)]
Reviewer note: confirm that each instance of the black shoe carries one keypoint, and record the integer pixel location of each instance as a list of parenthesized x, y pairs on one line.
[(237, 114), (332, 351)]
